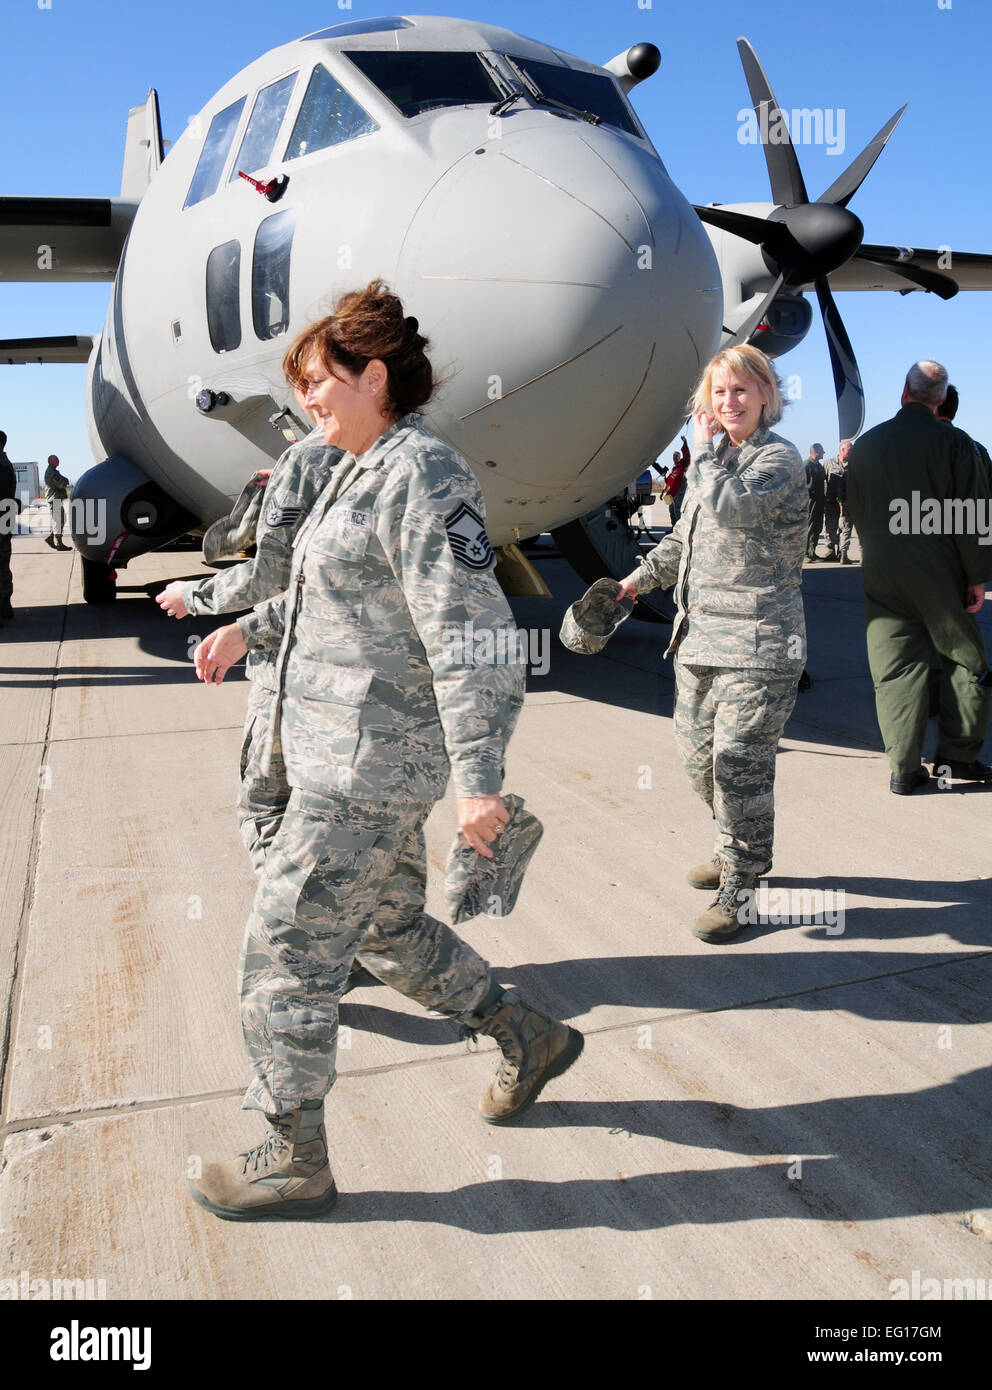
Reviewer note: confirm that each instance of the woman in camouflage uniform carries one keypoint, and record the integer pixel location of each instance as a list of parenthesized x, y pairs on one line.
[(739, 637), (375, 707)]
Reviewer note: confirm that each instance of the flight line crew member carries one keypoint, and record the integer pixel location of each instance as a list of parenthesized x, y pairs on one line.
[(835, 515), (923, 585), (816, 483), (376, 707), (56, 490), (739, 637), (8, 491)]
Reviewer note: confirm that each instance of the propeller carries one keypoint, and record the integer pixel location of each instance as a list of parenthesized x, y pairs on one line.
[(802, 242)]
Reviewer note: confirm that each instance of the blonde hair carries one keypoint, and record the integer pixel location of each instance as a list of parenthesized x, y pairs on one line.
[(748, 362)]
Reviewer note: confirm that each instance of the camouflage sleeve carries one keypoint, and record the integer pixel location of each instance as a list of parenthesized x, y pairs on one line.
[(263, 627), (751, 497), (430, 519), (287, 499), (660, 568)]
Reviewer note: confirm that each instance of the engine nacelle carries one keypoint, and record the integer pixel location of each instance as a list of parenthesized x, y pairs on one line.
[(784, 326)]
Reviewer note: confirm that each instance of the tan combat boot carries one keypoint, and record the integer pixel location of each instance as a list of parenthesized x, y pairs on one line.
[(287, 1177), (535, 1049), (721, 921), (706, 875)]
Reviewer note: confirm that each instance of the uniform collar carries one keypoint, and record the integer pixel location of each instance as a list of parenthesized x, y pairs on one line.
[(753, 441), (387, 441)]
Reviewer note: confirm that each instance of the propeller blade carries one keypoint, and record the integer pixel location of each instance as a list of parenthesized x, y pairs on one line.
[(847, 378), (784, 173), (741, 224), (932, 280), (843, 189)]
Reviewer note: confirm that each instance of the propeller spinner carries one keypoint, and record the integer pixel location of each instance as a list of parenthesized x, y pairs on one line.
[(802, 242)]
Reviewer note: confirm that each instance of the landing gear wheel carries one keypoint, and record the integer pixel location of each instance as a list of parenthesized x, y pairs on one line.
[(99, 581)]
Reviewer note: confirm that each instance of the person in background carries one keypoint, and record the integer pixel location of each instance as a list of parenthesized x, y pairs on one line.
[(836, 520), (816, 482), (8, 493), (739, 638), (946, 411), (56, 490), (923, 586)]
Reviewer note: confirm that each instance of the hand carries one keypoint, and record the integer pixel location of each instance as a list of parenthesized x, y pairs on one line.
[(171, 600), (706, 427), (481, 819), (974, 597), (217, 653), (628, 589)]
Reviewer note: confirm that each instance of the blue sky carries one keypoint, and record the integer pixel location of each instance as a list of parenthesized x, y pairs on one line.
[(73, 70)]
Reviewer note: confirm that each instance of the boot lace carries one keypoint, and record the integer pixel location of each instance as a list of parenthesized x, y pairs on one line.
[(266, 1155)]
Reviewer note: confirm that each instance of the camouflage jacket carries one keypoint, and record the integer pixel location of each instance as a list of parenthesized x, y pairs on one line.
[(836, 479), (56, 484), (398, 654), (295, 482), (736, 558)]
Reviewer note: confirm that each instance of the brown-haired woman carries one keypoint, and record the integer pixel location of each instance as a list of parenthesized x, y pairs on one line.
[(739, 637), (376, 706)]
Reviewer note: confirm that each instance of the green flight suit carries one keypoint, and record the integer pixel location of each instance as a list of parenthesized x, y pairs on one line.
[(916, 496)]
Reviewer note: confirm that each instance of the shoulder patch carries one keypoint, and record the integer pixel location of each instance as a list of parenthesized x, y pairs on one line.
[(281, 516), (467, 536)]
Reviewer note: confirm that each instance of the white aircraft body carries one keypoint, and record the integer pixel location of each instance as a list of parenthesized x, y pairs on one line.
[(508, 193)]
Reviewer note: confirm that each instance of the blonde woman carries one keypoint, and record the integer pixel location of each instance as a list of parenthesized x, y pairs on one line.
[(739, 638)]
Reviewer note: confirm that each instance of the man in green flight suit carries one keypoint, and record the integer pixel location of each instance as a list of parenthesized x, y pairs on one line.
[(916, 496)]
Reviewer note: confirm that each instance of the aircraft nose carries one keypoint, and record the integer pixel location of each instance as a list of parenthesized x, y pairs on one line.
[(572, 285)]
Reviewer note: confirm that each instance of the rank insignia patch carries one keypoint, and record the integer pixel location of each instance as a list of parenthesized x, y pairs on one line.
[(281, 516), (467, 534)]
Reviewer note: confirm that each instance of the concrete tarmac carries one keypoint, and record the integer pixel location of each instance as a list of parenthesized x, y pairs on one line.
[(803, 1113)]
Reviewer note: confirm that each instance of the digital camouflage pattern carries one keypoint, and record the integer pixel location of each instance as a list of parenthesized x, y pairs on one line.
[(380, 695), (341, 875), (727, 726), (739, 636), (735, 557), (835, 519), (592, 620), (474, 884), (264, 792), (296, 481)]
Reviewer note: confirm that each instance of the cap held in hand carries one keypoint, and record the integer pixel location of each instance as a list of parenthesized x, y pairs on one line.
[(474, 884), (591, 622)]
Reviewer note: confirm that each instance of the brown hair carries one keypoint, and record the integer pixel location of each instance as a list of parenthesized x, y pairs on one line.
[(368, 324)]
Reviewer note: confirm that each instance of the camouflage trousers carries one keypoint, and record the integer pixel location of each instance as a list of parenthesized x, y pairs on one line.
[(264, 791), (727, 726), (341, 875)]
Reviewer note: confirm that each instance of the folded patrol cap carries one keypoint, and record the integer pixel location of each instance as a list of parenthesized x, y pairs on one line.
[(474, 884), (594, 618)]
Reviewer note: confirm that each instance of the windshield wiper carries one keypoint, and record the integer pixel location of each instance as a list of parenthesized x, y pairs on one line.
[(530, 82), (501, 107)]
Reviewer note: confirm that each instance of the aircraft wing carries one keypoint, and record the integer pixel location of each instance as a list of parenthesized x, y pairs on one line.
[(17, 351), (58, 239), (970, 270)]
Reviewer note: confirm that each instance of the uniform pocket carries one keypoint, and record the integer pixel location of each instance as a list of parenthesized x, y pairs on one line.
[(726, 603), (321, 722)]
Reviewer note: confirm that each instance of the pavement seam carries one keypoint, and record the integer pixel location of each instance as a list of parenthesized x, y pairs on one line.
[(7, 1043), (35, 1122)]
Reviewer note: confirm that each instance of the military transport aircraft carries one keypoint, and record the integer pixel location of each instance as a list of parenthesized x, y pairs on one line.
[(509, 194)]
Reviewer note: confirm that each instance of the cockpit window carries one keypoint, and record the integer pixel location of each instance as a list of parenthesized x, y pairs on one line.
[(586, 91), (210, 165), (223, 290), (263, 125), (417, 82), (362, 26), (328, 116), (270, 274)]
